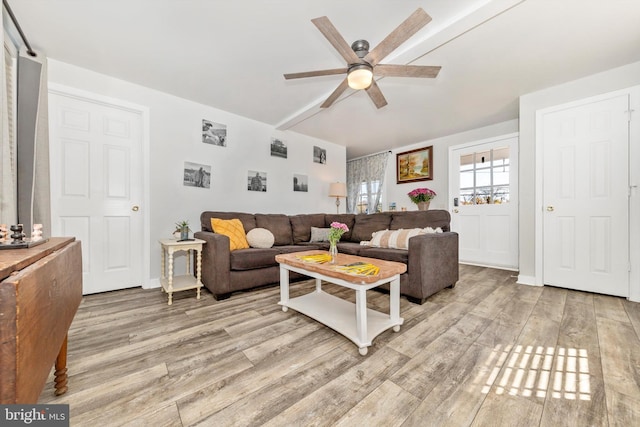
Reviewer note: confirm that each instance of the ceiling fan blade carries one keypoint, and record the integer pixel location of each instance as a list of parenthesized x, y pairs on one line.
[(335, 38), (316, 73), (336, 94), (376, 95), (402, 33), (389, 70)]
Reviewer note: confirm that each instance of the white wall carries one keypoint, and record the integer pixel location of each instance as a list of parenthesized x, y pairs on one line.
[(607, 81), (440, 184), (175, 137)]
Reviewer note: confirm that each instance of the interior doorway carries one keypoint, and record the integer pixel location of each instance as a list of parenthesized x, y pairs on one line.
[(483, 201), (586, 194), (97, 186)]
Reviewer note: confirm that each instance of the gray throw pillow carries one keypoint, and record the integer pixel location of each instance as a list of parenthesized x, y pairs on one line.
[(319, 234)]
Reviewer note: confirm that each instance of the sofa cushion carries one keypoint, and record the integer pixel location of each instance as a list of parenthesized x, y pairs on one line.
[(347, 219), (319, 234), (279, 225), (233, 229), (365, 225), (421, 219), (301, 226), (349, 248), (260, 238), (249, 259), (248, 220), (387, 254), (288, 249)]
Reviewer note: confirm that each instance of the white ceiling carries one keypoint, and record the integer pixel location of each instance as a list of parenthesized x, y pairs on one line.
[(231, 55)]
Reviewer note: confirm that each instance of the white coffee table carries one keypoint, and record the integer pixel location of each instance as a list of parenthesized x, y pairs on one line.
[(355, 321)]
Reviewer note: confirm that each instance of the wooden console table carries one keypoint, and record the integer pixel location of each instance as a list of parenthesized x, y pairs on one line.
[(40, 291)]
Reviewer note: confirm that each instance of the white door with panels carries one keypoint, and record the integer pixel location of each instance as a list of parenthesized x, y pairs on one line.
[(586, 195), (484, 201), (96, 187)]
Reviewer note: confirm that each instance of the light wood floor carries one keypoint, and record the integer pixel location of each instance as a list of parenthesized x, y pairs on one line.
[(487, 353)]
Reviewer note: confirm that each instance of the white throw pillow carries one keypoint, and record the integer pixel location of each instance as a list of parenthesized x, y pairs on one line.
[(397, 239), (319, 234), (260, 238)]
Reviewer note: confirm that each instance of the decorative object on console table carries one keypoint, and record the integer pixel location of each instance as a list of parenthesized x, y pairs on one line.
[(414, 165), (335, 232), (338, 190), (16, 238), (36, 234), (40, 291), (422, 197)]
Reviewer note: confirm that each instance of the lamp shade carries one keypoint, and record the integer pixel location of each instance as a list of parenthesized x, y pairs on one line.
[(338, 189), (360, 76)]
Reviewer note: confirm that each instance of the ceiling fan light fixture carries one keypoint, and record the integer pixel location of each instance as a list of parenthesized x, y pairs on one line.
[(360, 76)]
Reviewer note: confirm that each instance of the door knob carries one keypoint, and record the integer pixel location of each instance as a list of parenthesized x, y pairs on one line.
[(549, 208), (456, 211), (135, 208)]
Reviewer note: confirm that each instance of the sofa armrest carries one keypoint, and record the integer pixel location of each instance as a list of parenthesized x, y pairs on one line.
[(216, 262), (433, 263)]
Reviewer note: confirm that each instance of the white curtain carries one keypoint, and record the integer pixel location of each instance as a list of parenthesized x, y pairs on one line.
[(368, 170), (41, 199)]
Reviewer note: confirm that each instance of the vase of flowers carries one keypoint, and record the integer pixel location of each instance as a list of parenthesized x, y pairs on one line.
[(422, 197), (335, 232)]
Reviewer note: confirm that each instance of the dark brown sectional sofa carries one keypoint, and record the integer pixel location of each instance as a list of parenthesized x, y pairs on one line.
[(432, 259)]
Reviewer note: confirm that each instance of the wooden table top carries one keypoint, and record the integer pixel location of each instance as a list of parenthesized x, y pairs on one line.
[(387, 268), (16, 259)]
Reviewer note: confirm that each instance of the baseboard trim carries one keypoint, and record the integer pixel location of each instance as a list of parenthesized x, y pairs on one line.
[(527, 280), (152, 284), (497, 267)]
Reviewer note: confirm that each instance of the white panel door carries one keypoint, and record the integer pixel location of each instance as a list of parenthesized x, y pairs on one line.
[(585, 194), (96, 188), (484, 201)]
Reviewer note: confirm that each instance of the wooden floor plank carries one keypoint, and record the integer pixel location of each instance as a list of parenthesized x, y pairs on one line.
[(609, 307), (388, 406), (460, 392), (200, 405), (620, 353), (576, 387), (329, 403), (267, 402)]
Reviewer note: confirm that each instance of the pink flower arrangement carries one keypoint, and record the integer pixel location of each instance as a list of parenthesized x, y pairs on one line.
[(421, 195), (336, 231)]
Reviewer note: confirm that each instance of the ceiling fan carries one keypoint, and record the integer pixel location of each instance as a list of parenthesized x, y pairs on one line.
[(362, 64)]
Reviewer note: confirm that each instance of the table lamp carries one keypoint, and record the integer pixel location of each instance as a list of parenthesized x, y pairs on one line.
[(338, 190)]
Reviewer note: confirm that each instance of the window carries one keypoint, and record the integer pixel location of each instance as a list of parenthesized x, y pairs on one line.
[(362, 204), (484, 177)]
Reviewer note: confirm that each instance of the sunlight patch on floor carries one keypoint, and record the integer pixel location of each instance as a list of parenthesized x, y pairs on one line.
[(538, 371)]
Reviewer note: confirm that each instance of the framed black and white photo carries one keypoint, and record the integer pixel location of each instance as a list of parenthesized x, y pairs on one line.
[(214, 133), (197, 175), (278, 148), (319, 155), (256, 181), (300, 183)]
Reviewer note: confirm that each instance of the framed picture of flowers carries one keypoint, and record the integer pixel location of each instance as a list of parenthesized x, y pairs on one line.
[(414, 165)]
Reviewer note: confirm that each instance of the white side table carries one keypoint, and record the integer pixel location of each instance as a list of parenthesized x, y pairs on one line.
[(171, 284)]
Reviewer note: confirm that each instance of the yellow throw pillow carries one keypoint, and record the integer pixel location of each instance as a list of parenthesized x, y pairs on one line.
[(233, 229)]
